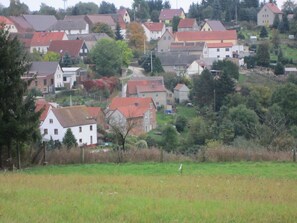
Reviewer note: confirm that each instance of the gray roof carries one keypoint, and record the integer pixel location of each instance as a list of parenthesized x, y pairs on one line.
[(187, 46), (43, 68), (74, 17), (215, 25), (88, 37), (176, 59), (69, 25), (40, 22)]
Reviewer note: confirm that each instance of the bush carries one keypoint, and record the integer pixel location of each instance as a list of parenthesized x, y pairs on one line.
[(181, 123)]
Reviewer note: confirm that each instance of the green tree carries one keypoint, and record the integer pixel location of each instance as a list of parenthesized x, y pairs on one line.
[(169, 138), (141, 10), (275, 39), (18, 120), (175, 22), (35, 56), (16, 8), (228, 67), (263, 55), (103, 28), (106, 55), (66, 61), (126, 52), (198, 131), (118, 34), (217, 10), (107, 8), (279, 69), (69, 139), (181, 123), (47, 10), (276, 22), (226, 131), (85, 8), (155, 16), (263, 32), (51, 56)]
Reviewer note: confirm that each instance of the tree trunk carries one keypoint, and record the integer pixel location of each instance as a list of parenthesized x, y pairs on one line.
[(18, 156)]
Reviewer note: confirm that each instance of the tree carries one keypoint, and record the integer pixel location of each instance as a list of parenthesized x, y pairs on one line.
[(141, 10), (107, 8), (279, 69), (69, 139), (126, 52), (228, 67), (276, 22), (66, 60), (136, 36), (275, 38), (263, 32), (35, 56), (51, 56), (83, 8), (106, 55), (175, 22), (118, 34), (146, 61), (16, 8), (155, 16), (18, 120), (103, 28), (181, 123), (47, 10), (198, 132), (169, 138), (217, 10), (263, 56)]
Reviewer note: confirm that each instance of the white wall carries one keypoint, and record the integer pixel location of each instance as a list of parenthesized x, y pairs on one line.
[(219, 53), (59, 77)]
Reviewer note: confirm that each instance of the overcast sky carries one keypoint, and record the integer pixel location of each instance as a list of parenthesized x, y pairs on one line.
[(35, 4)]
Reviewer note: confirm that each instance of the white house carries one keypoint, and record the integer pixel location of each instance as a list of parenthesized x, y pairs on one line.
[(125, 15), (70, 76), (153, 30), (181, 93), (195, 68), (77, 118), (71, 27), (219, 50)]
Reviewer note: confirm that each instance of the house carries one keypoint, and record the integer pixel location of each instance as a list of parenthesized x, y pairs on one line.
[(42, 40), (153, 30), (98, 115), (165, 41), (267, 14), (124, 14), (42, 104), (136, 113), (166, 15), (21, 24), (220, 50), (192, 48), (92, 20), (228, 36), (47, 76), (212, 25), (90, 39), (152, 87), (74, 48), (79, 26), (118, 19), (76, 118), (8, 24), (195, 68), (40, 23), (181, 93), (187, 24)]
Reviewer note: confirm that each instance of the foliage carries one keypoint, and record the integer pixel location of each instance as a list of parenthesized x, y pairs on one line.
[(107, 8), (198, 131), (155, 16), (145, 62), (276, 22), (275, 38), (46, 10), (263, 56), (263, 32), (181, 123), (69, 139), (35, 56), (106, 55), (175, 22), (118, 34), (250, 61), (16, 8), (51, 56), (227, 67), (279, 69), (136, 36), (126, 52), (169, 138), (66, 60), (170, 80), (85, 8), (103, 28), (141, 10)]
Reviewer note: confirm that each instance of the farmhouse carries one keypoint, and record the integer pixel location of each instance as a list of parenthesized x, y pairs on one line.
[(267, 14)]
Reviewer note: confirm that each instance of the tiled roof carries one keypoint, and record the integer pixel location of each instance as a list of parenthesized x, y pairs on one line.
[(72, 47), (187, 46), (107, 19), (73, 116), (5, 20), (204, 36), (219, 45), (43, 68), (45, 38), (154, 26), (186, 23), (132, 111), (88, 37), (21, 24), (74, 17), (273, 7), (119, 19), (150, 88), (42, 104), (177, 58), (178, 86), (94, 111), (168, 14), (124, 102), (215, 25), (40, 22), (133, 84), (78, 24), (122, 12)]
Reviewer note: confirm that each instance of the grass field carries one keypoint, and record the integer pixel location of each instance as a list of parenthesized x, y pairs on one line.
[(149, 192)]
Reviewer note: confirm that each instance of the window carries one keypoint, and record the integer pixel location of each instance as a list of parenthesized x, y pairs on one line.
[(169, 38), (157, 95), (45, 131), (80, 140), (64, 78), (218, 56), (218, 50), (164, 38), (91, 128), (52, 81), (80, 129), (51, 121), (44, 82), (56, 131), (227, 49)]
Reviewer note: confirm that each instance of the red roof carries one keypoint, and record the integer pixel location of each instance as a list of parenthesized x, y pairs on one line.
[(168, 14), (204, 36), (45, 38), (5, 20), (219, 45), (154, 26), (72, 47), (186, 23), (178, 86), (94, 111), (273, 7), (124, 102), (42, 104), (122, 12), (132, 111), (133, 85), (150, 88)]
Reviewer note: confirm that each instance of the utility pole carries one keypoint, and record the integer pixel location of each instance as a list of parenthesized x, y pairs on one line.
[(151, 61)]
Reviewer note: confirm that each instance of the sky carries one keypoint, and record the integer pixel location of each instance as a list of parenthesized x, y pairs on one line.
[(35, 4)]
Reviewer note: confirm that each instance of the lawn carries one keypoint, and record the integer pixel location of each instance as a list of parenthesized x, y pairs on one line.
[(151, 192)]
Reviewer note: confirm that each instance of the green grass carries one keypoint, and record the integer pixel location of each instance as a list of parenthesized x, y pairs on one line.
[(151, 192)]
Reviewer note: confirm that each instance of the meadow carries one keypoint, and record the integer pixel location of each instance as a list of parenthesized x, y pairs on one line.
[(151, 192)]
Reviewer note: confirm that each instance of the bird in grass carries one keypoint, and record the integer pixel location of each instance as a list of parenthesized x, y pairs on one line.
[(180, 169)]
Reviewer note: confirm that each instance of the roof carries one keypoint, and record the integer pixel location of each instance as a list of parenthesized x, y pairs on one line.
[(73, 116), (119, 19), (204, 36), (40, 22), (94, 111), (118, 102), (180, 86), (88, 37), (132, 111), (72, 47), (45, 38), (273, 7), (74, 17), (107, 19), (134, 84), (43, 68), (42, 104), (168, 14), (122, 11), (177, 58), (187, 46), (70, 69), (5, 20), (21, 24), (215, 25), (219, 45), (150, 88), (69, 25), (186, 23), (154, 26)]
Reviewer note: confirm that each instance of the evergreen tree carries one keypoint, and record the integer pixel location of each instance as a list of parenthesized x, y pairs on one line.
[(69, 139), (263, 55), (279, 69), (169, 138), (263, 32), (118, 35), (175, 22), (107, 8), (66, 60), (217, 10), (276, 22)]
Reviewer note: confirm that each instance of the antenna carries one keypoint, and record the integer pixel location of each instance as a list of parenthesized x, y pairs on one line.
[(65, 4)]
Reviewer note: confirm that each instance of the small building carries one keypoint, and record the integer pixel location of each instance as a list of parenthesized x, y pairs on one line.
[(187, 24), (267, 14), (153, 30), (195, 68), (165, 41), (181, 93), (220, 50), (166, 15), (212, 25)]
